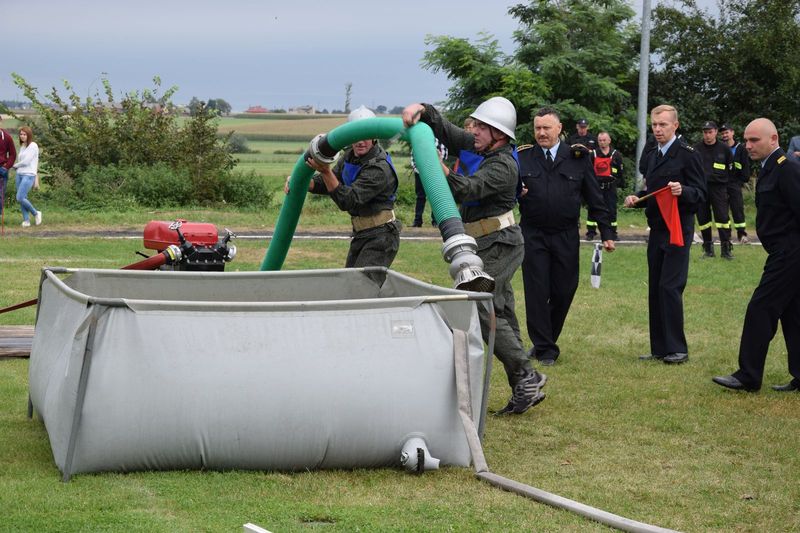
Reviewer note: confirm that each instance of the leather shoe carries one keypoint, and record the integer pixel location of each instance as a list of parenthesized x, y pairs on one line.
[(731, 382), (651, 357), (547, 362), (676, 358), (789, 387)]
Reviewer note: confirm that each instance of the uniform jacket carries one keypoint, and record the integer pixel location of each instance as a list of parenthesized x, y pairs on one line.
[(491, 190), (717, 161), (371, 192), (741, 164), (778, 202), (553, 200), (683, 164)]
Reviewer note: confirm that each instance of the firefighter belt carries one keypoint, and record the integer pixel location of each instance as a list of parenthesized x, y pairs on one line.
[(488, 225), (373, 221)]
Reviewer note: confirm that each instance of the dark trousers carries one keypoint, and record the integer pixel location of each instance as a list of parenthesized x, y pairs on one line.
[(374, 246), (610, 200), (668, 269), (501, 261), (550, 278), (777, 297), (718, 202), (736, 201), (419, 208)]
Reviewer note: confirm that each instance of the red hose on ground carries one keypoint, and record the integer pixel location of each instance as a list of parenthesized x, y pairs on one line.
[(151, 263)]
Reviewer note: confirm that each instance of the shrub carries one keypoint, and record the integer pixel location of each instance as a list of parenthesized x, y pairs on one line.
[(237, 144), (246, 189)]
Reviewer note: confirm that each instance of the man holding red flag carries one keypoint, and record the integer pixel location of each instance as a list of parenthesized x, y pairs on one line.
[(675, 187)]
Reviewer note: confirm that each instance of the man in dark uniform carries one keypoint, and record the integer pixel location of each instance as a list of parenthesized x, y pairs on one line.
[(582, 135), (740, 174), (555, 177), (676, 165), (486, 187), (777, 296), (609, 171), (363, 182), (717, 162)]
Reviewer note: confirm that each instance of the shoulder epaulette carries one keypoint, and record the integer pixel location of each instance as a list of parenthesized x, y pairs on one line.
[(781, 159), (687, 147), (579, 150), (524, 147)]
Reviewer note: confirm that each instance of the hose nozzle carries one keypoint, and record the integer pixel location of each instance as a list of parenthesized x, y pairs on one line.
[(466, 268)]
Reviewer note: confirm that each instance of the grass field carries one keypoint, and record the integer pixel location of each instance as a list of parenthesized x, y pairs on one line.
[(651, 442)]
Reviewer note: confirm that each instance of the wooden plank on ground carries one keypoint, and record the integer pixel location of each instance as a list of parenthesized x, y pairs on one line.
[(15, 341)]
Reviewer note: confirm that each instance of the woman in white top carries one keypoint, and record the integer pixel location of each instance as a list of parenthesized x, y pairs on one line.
[(27, 165)]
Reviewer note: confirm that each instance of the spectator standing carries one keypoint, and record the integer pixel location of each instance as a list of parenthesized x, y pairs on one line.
[(8, 154), (793, 151), (27, 165), (676, 165), (717, 162), (739, 175), (555, 178), (582, 135), (609, 171), (777, 296), (487, 193)]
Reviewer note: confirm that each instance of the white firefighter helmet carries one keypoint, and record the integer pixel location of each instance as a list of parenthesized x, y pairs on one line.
[(499, 113), (359, 113)]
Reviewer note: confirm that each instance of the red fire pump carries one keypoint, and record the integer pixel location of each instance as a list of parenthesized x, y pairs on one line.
[(182, 245)]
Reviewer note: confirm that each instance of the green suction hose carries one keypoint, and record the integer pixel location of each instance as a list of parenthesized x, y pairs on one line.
[(459, 249)]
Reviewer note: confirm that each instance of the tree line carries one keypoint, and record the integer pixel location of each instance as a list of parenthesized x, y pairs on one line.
[(582, 58)]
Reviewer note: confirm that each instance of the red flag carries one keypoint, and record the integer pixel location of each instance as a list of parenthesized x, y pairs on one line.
[(668, 205)]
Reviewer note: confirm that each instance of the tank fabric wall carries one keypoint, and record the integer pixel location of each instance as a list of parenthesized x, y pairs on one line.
[(245, 381)]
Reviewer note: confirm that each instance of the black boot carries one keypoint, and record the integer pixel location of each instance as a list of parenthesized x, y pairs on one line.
[(727, 247), (708, 249)]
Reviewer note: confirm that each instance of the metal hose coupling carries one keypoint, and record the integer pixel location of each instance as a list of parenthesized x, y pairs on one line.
[(466, 268), (320, 150)]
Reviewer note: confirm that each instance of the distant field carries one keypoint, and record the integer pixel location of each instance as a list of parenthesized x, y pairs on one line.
[(260, 129)]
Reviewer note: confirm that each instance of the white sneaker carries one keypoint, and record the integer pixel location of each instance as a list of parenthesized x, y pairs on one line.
[(26, 224), (38, 217)]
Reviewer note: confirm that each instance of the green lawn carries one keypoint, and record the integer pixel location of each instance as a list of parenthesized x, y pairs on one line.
[(651, 442)]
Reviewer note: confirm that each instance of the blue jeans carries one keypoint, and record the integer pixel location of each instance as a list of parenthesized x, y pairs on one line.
[(3, 187), (24, 184)]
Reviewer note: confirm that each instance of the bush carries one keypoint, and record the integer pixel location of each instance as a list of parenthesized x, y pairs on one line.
[(237, 144), (246, 189), (140, 131)]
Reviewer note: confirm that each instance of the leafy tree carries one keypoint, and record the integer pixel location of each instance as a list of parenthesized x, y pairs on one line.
[(733, 67), (381, 109), (219, 105), (579, 56), (396, 110), (194, 104)]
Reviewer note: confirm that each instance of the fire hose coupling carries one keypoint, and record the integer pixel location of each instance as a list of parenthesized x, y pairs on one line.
[(321, 151), (173, 253), (466, 268)]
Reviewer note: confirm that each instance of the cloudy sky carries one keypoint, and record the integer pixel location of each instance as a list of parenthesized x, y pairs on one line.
[(249, 52)]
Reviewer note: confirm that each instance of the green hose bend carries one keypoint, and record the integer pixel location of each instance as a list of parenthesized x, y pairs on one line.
[(426, 159)]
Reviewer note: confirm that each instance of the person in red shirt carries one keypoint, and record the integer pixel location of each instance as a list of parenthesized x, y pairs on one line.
[(8, 155)]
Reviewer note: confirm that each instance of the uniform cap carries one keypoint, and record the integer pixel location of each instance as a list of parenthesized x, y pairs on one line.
[(709, 125), (582, 122), (725, 127)]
